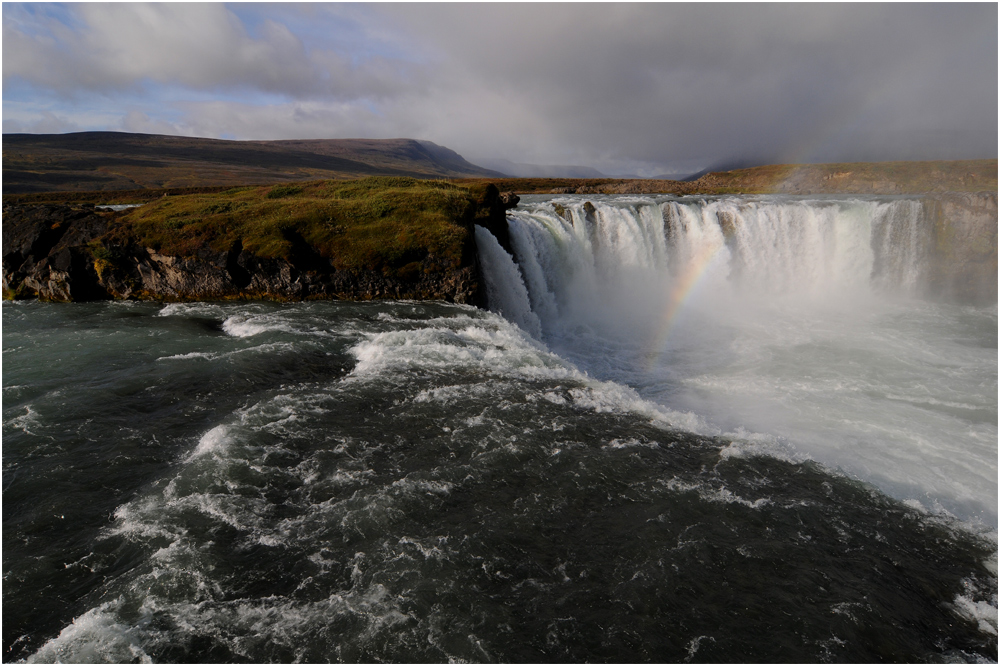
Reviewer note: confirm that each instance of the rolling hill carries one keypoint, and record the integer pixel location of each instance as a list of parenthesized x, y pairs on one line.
[(88, 161)]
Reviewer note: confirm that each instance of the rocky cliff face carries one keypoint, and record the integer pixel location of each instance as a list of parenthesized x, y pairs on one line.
[(47, 252), (964, 253), (65, 253)]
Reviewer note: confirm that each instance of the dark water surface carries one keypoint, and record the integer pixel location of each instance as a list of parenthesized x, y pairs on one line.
[(421, 482)]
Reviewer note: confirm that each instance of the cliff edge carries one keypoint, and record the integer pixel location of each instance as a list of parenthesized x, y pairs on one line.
[(398, 238)]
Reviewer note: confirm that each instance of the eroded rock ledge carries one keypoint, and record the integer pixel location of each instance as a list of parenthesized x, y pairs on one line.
[(68, 253)]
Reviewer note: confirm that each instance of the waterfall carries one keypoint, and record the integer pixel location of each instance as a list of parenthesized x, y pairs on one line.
[(857, 332), (624, 259), (504, 288)]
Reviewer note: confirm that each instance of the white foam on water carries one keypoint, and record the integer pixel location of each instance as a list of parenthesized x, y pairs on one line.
[(246, 627), (502, 349), (189, 309), (96, 637), (979, 604), (340, 479), (434, 548), (796, 333), (611, 397), (454, 394), (630, 443), (721, 494), (265, 348), (983, 613), (26, 423), (695, 644), (285, 413), (554, 398), (495, 348), (245, 326), (744, 444), (244, 320), (208, 356), (422, 486), (214, 442), (138, 520)]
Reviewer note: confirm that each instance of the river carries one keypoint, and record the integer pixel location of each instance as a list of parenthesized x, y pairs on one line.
[(724, 430)]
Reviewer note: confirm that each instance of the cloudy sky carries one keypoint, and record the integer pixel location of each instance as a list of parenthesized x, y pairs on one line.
[(624, 88)]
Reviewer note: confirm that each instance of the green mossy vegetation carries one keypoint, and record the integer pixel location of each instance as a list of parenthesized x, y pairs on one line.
[(105, 258), (379, 223), (279, 191)]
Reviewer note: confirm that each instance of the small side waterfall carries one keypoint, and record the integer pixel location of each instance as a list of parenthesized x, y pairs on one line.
[(504, 288)]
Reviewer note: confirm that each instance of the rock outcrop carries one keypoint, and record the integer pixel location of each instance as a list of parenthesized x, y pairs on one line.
[(492, 214), (509, 200), (47, 252), (964, 247), (67, 253)]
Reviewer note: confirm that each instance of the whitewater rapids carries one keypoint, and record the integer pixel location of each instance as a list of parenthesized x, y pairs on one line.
[(796, 327), (669, 448)]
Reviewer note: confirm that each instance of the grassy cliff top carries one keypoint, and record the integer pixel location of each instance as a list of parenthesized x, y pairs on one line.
[(375, 223)]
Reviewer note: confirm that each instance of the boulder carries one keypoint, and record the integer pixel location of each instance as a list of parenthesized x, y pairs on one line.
[(727, 221), (509, 200)]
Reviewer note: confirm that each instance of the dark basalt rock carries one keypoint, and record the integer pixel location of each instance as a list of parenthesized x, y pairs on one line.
[(492, 215), (64, 253), (46, 252), (509, 200), (590, 217)]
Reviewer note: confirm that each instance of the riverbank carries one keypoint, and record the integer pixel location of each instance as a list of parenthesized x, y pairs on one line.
[(380, 237)]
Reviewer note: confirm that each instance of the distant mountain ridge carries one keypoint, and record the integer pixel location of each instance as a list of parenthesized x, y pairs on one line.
[(86, 161), (520, 170), (842, 178)]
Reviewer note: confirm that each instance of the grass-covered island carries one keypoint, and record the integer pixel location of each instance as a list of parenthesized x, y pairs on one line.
[(379, 237)]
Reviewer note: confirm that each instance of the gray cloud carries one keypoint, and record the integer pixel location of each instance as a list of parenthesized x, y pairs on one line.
[(201, 46), (659, 83), (45, 123), (618, 87)]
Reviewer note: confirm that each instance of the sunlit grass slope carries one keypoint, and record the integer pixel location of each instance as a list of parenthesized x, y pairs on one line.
[(375, 223)]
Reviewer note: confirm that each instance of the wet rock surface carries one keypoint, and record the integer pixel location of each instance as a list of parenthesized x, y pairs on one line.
[(964, 255)]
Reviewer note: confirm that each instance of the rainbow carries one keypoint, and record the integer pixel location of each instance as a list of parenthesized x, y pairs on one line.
[(682, 288)]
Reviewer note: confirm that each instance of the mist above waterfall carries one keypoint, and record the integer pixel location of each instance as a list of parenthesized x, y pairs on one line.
[(798, 327)]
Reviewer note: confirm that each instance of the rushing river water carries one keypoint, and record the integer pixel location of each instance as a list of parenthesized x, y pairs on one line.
[(669, 448)]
